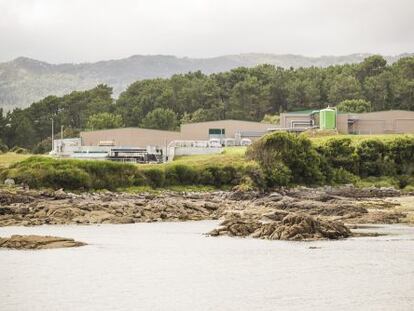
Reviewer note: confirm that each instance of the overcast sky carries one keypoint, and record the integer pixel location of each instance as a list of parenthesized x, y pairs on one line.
[(91, 30)]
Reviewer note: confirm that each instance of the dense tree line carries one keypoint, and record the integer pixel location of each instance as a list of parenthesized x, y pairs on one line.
[(242, 93), (29, 127)]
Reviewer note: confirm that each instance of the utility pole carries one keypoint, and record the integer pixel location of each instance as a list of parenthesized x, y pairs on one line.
[(61, 138), (53, 137)]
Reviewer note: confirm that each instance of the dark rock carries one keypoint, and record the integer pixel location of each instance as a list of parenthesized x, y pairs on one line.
[(292, 226), (5, 211), (60, 194), (243, 195), (37, 242), (23, 210)]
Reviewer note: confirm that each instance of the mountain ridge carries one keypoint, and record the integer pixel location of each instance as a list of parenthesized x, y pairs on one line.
[(25, 80)]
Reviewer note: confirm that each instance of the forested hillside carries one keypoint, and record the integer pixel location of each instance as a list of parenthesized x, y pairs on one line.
[(242, 93), (24, 80)]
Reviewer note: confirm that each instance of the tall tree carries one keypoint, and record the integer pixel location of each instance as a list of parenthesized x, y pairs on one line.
[(104, 120), (354, 106), (344, 87), (379, 91), (3, 123), (249, 100), (160, 118), (21, 130), (78, 106), (371, 66)]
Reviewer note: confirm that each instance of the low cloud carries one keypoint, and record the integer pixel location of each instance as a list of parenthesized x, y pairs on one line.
[(79, 30)]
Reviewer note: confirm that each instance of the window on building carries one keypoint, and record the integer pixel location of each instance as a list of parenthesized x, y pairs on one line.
[(216, 131)]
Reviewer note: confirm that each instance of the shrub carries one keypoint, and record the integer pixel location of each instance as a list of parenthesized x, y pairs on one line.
[(107, 174), (295, 152), (372, 158), (85, 174), (73, 174), (71, 178), (43, 147), (253, 171), (246, 184), (48, 176), (119, 175), (342, 176), (213, 174), (139, 179), (27, 176), (401, 152), (181, 174), (340, 153), (279, 175), (3, 147), (155, 176), (228, 175), (383, 181), (409, 188), (217, 175), (19, 150), (404, 181), (206, 177)]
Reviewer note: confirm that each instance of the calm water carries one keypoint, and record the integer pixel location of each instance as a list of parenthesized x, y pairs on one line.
[(172, 266)]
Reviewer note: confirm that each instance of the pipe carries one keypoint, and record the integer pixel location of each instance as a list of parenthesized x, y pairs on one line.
[(301, 122)]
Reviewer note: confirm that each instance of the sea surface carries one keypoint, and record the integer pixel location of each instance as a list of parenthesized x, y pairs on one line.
[(173, 266)]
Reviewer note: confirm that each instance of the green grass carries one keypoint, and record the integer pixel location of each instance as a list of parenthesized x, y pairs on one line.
[(358, 138), (9, 158), (176, 188), (47, 172), (230, 156), (383, 181)]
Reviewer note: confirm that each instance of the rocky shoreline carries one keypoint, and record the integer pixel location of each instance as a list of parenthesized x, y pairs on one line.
[(292, 214), (283, 226), (37, 242)]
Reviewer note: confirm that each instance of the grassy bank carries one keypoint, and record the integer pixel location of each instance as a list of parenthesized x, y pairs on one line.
[(9, 158), (380, 160), (230, 156), (198, 172)]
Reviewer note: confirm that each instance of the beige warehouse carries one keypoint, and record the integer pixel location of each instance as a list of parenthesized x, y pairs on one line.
[(139, 137), (223, 129), (130, 136), (379, 122)]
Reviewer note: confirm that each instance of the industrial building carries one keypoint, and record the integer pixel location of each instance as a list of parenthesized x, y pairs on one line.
[(235, 132), (201, 131), (129, 136), (379, 122), (148, 145), (224, 129)]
